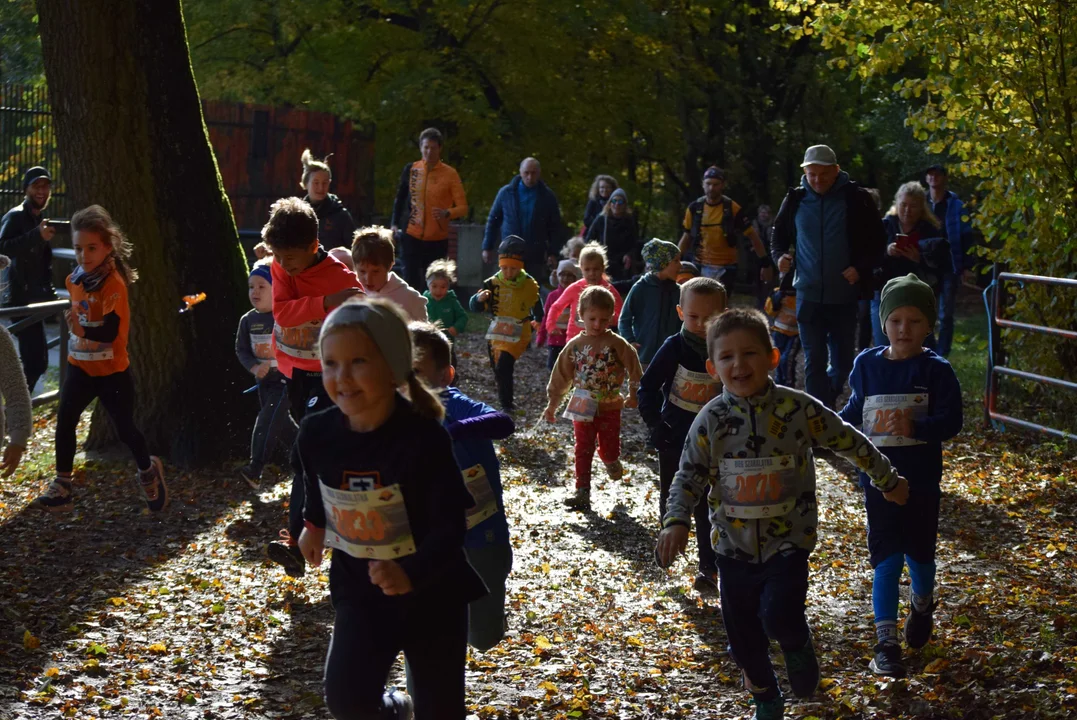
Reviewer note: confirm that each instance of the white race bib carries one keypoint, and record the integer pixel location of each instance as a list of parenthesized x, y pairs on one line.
[(300, 342), (581, 407), (482, 493), (562, 321), (370, 525), (505, 329), (758, 487), (262, 347), (878, 409), (692, 390)]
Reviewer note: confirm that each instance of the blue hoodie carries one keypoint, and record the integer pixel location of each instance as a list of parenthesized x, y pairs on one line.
[(822, 246)]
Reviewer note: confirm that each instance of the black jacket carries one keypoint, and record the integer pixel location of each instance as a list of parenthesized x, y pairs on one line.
[(30, 275), (592, 211), (335, 224), (935, 258), (621, 237)]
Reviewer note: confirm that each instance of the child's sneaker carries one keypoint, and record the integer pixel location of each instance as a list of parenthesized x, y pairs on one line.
[(397, 705), (285, 552), (251, 477), (887, 660), (615, 470), (56, 499), (152, 483), (580, 500), (705, 584), (769, 709), (918, 626), (803, 669)]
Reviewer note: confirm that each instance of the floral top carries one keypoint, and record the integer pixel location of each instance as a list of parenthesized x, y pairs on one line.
[(595, 364)]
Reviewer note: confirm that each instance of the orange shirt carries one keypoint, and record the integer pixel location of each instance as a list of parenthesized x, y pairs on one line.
[(100, 358), (437, 187)]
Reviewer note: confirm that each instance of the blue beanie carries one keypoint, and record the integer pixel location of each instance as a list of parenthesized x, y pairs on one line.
[(261, 269)]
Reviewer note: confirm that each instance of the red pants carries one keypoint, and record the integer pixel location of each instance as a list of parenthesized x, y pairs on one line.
[(606, 430)]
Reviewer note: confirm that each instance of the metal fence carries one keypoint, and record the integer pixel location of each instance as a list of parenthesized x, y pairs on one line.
[(994, 301), (27, 138)]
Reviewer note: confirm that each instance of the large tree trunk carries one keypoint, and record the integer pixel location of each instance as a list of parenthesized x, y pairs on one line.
[(131, 138)]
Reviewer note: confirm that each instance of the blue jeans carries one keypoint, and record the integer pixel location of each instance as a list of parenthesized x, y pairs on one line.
[(828, 336), (789, 347), (947, 300), (884, 586)]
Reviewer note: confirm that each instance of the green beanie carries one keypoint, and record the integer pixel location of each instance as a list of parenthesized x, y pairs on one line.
[(908, 291)]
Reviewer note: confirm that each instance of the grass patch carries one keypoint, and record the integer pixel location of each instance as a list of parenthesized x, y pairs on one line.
[(969, 355)]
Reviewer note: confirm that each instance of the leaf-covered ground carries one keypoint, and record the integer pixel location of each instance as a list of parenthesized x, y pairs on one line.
[(113, 613)]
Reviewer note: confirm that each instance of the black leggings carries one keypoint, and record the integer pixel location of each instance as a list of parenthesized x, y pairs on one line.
[(306, 394), (366, 641), (117, 393)]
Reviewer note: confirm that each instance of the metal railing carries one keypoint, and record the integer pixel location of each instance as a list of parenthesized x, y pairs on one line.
[(35, 313), (995, 355)]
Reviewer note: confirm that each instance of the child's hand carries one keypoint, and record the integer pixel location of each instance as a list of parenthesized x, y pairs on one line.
[(453, 331), (389, 576), (900, 423), (483, 295), (900, 493), (262, 251), (632, 401), (261, 370), (549, 414), (311, 544), (671, 542), (73, 324), (338, 298), (12, 458)]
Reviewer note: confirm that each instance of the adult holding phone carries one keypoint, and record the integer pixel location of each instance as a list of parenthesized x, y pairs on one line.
[(24, 237)]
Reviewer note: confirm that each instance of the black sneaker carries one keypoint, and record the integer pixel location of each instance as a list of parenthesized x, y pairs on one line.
[(287, 554), (705, 584), (397, 705), (251, 477), (918, 626), (803, 668), (580, 500), (888, 660), (57, 499), (769, 709), (152, 484)]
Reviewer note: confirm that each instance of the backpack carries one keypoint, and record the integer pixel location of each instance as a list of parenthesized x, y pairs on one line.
[(696, 208)]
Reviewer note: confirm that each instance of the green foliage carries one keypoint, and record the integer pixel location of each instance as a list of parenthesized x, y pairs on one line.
[(991, 85), (20, 47)]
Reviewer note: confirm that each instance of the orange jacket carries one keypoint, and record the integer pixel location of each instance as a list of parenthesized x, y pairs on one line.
[(298, 310), (433, 188), (97, 358)]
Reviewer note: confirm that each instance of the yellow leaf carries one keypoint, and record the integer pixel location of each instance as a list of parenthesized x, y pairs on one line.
[(545, 568), (52, 672), (548, 686), (158, 648), (29, 641), (543, 643), (936, 666), (633, 640), (117, 601)]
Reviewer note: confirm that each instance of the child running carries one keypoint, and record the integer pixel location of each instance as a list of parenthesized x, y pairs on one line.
[(373, 256), (16, 420), (254, 348), (593, 267), (571, 251), (908, 401), (512, 297), (442, 305), (473, 426), (751, 447), (673, 390), (568, 272), (99, 320), (650, 315), (395, 516), (596, 364), (308, 282), (781, 305)]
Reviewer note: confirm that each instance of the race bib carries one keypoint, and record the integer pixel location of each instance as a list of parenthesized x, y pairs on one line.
[(370, 525), (562, 321), (505, 329), (692, 390), (262, 347), (879, 409), (581, 407), (758, 487), (787, 320), (299, 342), (482, 493)]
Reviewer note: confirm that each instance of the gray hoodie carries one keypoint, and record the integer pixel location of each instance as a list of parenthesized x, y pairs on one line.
[(752, 458)]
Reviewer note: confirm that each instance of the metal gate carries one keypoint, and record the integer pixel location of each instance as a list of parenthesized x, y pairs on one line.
[(27, 138)]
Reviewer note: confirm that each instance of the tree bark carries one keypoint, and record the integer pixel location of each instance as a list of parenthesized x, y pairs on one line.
[(131, 138)]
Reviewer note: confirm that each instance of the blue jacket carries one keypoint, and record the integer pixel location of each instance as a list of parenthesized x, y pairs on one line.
[(477, 451), (958, 230), (545, 235), (649, 315), (669, 423)]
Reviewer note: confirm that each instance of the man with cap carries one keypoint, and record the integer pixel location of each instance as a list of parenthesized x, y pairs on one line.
[(24, 237), (527, 208), (832, 226), (713, 225), (947, 207)]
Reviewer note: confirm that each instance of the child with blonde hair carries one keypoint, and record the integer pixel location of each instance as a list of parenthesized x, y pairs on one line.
[(442, 306), (593, 267), (596, 363)]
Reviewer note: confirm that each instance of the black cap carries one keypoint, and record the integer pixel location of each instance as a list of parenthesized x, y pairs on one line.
[(714, 172), (941, 169), (33, 174)]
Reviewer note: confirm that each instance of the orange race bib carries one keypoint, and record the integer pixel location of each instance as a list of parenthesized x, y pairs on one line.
[(692, 390), (505, 329), (880, 409), (755, 488), (582, 407), (371, 525)]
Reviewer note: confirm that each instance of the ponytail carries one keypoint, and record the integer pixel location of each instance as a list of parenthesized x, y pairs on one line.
[(426, 403), (312, 165)]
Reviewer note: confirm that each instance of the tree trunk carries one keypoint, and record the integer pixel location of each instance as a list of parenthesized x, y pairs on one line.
[(131, 138)]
